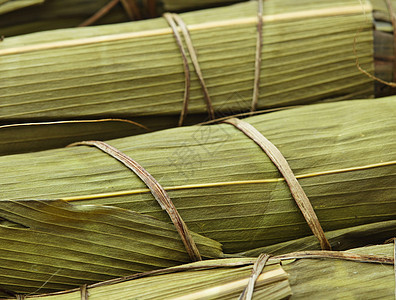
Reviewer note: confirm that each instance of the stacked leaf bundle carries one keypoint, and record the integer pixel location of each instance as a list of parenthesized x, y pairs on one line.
[(134, 70), (226, 189), (106, 224)]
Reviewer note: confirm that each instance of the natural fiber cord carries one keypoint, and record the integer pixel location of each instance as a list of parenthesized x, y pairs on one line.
[(296, 190), (156, 189)]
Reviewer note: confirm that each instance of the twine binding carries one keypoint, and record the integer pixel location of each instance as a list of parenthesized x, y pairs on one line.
[(84, 292), (157, 191), (100, 13), (281, 163), (258, 267), (187, 83), (176, 23), (132, 9), (357, 63)]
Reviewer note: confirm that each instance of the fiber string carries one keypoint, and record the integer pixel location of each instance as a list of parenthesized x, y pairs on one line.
[(157, 191), (258, 267), (187, 83), (99, 14), (176, 23), (357, 62), (84, 292), (281, 163), (177, 20), (130, 7)]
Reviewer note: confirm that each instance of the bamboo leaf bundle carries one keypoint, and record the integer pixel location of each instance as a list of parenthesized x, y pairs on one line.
[(106, 224), (83, 244), (225, 279), (223, 185), (52, 245), (135, 69)]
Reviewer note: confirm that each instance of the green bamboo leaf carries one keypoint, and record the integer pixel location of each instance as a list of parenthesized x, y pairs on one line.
[(30, 137), (329, 279), (223, 185), (324, 278), (221, 282), (22, 16), (53, 245), (135, 69), (340, 240)]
